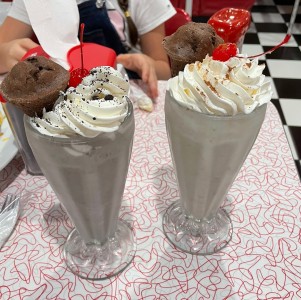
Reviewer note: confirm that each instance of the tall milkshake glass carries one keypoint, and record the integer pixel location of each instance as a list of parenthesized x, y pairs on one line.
[(88, 176), (208, 152)]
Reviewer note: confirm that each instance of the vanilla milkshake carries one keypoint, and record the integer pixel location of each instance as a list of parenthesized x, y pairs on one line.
[(83, 147), (214, 111)]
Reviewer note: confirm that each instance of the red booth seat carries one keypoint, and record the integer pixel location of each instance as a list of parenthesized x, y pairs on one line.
[(209, 7)]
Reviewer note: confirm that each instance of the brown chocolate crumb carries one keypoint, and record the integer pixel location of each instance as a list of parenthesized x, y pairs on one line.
[(109, 97)]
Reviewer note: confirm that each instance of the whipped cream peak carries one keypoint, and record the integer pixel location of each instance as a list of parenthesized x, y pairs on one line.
[(107, 78), (98, 104), (222, 88)]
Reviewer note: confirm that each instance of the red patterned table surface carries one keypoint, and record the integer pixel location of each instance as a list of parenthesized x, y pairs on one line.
[(262, 261)]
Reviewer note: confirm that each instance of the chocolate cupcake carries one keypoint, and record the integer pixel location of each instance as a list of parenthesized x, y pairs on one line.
[(190, 43), (34, 84)]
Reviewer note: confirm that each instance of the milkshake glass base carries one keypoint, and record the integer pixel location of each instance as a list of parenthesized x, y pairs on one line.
[(96, 261), (199, 237)]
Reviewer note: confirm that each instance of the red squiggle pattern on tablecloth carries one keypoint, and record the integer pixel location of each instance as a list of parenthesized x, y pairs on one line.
[(262, 261)]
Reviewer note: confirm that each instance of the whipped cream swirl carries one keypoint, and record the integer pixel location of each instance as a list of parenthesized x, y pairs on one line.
[(98, 104), (222, 88)]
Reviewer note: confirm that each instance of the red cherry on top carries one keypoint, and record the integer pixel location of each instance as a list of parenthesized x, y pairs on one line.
[(2, 99), (224, 52), (76, 76)]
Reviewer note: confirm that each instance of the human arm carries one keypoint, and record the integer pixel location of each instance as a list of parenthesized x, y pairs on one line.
[(151, 45), (14, 42), (152, 64)]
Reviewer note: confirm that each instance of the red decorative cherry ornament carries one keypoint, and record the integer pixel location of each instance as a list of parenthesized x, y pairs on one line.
[(77, 75)]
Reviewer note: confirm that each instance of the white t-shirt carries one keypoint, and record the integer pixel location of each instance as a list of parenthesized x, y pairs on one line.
[(146, 14)]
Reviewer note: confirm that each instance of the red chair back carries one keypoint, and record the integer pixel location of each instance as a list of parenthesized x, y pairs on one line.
[(179, 19)]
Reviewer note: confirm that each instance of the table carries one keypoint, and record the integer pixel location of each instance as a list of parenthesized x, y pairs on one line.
[(262, 261)]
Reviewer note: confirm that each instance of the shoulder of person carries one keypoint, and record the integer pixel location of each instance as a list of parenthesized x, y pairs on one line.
[(149, 14)]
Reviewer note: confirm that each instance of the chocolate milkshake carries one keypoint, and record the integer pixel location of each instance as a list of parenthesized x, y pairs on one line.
[(214, 111), (83, 147)]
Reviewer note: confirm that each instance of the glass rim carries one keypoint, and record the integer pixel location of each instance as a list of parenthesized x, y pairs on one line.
[(76, 138), (219, 117)]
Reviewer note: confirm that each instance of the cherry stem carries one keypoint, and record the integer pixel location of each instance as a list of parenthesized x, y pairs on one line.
[(81, 38), (285, 40), (288, 34)]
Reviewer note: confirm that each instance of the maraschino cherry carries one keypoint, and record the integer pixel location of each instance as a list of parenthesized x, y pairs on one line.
[(77, 75), (225, 51)]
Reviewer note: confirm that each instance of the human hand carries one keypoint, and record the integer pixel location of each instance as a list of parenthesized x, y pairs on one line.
[(144, 66), (12, 52)]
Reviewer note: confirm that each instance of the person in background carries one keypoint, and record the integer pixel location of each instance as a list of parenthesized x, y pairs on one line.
[(133, 28)]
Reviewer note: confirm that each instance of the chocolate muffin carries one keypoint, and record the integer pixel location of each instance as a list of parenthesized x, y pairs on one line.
[(34, 84), (190, 43)]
